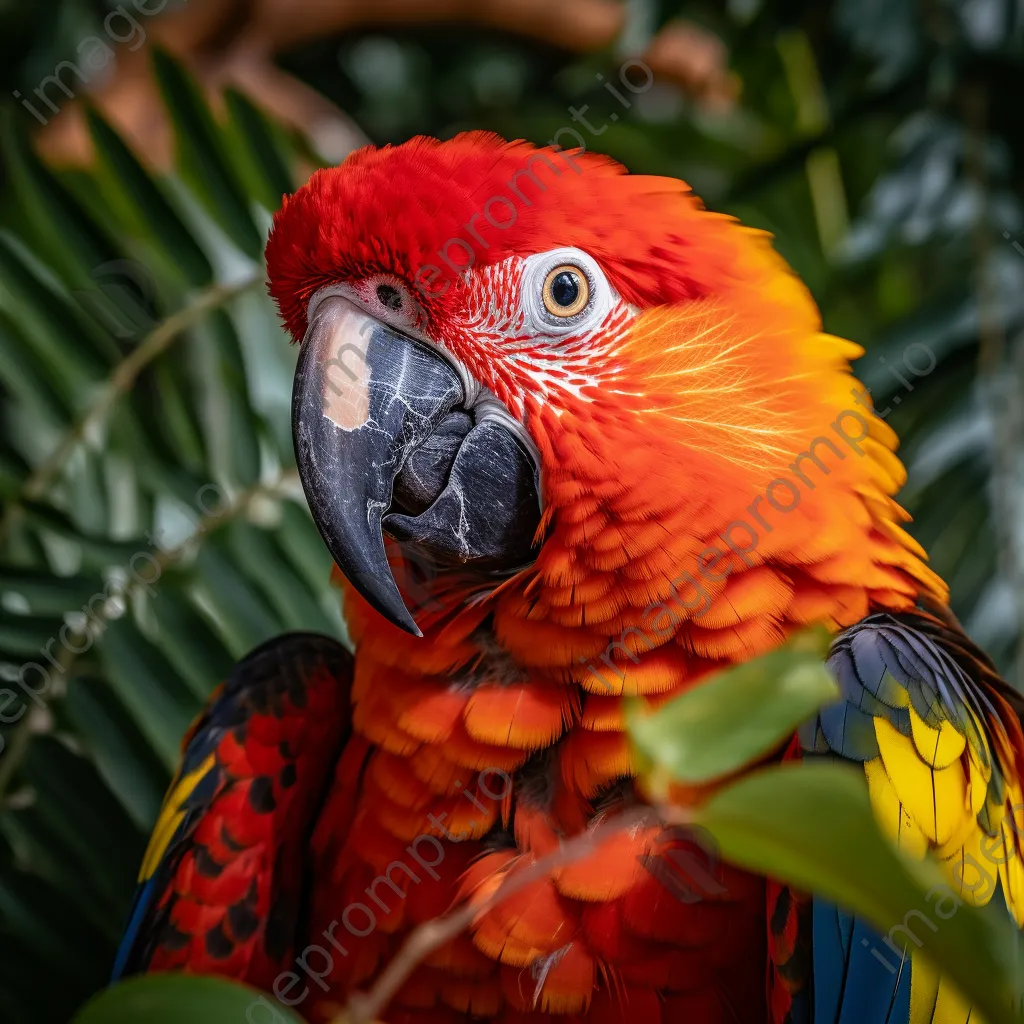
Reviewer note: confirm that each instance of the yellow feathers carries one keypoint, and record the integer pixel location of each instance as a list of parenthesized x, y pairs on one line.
[(936, 799), (171, 816), (928, 790)]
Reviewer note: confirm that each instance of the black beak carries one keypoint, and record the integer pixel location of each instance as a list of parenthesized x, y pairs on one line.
[(379, 424)]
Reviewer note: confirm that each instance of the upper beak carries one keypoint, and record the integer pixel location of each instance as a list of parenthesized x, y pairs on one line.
[(364, 398), (366, 402)]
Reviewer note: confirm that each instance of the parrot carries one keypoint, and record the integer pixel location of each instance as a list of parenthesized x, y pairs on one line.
[(572, 441)]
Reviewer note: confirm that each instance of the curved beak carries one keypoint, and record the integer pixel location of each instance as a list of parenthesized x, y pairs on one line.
[(365, 398)]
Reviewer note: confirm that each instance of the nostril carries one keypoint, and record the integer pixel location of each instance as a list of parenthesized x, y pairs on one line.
[(390, 297)]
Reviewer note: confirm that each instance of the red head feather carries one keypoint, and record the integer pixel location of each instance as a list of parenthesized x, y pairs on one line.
[(476, 200)]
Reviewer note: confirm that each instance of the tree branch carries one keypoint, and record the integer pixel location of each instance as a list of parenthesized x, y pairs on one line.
[(21, 735), (363, 1008)]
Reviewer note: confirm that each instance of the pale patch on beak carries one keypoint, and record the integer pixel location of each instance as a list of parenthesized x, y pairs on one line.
[(340, 335)]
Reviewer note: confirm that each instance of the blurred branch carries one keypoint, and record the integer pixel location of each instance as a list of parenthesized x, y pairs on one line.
[(582, 25), (233, 43), (120, 381)]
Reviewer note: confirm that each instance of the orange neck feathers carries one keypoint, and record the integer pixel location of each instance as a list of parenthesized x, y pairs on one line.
[(722, 485)]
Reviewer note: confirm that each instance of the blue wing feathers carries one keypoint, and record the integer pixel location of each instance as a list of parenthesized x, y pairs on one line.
[(855, 978)]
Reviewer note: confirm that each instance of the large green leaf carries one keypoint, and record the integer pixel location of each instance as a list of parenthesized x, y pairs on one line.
[(183, 999), (73, 354), (65, 234), (24, 372), (123, 756), (159, 701), (279, 583), (260, 159), (149, 203), (125, 394), (100, 845), (239, 612), (811, 825), (51, 929), (187, 640), (201, 151), (739, 715), (97, 550), (47, 594)]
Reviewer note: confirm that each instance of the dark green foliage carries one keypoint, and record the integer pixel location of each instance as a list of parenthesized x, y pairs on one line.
[(149, 534), (144, 379)]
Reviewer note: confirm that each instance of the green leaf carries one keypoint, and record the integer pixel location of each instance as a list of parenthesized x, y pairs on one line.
[(176, 415), (263, 166), (65, 233), (739, 715), (14, 470), (158, 700), (240, 614), (97, 552), (86, 491), (160, 469), (68, 349), (233, 424), (151, 206), (26, 635), (182, 999), (201, 153), (188, 642), (300, 538), (24, 373), (810, 824), (122, 755), (275, 577), (47, 594), (51, 929), (96, 833)]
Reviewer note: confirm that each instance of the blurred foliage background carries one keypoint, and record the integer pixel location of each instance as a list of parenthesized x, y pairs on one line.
[(144, 379)]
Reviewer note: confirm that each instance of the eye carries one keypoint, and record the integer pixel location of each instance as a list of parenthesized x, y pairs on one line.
[(566, 290)]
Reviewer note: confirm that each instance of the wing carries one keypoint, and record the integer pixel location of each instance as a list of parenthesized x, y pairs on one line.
[(789, 954), (221, 888), (938, 734)]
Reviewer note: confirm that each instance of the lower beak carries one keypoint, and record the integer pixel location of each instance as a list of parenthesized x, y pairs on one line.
[(376, 417)]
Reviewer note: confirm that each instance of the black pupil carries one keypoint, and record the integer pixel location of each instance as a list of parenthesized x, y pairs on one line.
[(390, 297), (565, 289)]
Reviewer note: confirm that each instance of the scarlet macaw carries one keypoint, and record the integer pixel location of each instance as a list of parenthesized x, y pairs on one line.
[(619, 454)]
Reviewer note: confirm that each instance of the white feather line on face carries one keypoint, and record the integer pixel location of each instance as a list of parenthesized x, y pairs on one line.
[(505, 316)]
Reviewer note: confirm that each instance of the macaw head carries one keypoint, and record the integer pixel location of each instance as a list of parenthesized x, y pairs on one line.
[(513, 356)]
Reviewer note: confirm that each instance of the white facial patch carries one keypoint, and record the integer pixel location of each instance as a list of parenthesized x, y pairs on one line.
[(538, 319)]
